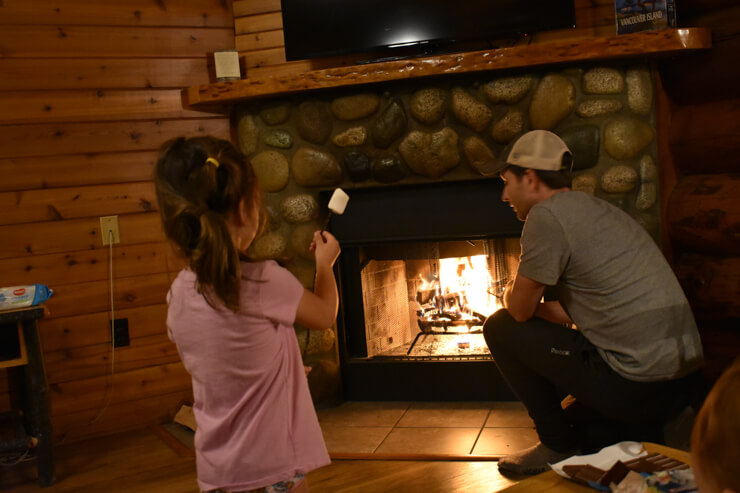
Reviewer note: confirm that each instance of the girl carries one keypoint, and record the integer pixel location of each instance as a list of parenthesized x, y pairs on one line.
[(232, 321)]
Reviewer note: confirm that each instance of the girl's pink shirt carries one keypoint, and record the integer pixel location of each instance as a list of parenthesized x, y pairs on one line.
[(256, 420)]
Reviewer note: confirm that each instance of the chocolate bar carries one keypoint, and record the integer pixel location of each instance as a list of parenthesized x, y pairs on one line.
[(588, 474)]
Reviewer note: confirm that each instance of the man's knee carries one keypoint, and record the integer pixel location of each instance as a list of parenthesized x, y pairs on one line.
[(497, 327)]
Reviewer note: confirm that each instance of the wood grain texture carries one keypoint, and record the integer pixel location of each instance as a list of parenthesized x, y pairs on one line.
[(56, 204), (92, 393), (242, 8), (643, 44), (94, 328), (94, 361), (21, 240), (46, 139), (91, 105), (707, 134), (102, 73), (712, 284), (89, 92), (23, 41), (87, 265), (205, 13), (29, 173), (704, 213)]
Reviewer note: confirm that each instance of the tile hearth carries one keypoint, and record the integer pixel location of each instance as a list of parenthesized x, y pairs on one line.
[(429, 430)]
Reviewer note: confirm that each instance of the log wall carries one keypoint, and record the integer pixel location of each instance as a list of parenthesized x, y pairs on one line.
[(88, 92), (702, 145)]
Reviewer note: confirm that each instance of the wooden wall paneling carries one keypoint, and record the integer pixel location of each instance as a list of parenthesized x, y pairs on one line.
[(205, 13), (720, 340), (91, 393), (20, 240), (668, 175), (93, 361), (704, 213), (101, 73), (689, 10), (88, 329), (258, 23), (92, 297), (85, 265), (27, 173), (98, 41), (712, 283), (242, 8), (707, 134), (259, 41), (711, 76), (86, 105), (88, 93), (262, 58), (47, 139), (127, 415), (54, 204)]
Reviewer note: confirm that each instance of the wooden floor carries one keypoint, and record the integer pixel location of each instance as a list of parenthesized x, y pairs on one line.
[(139, 461)]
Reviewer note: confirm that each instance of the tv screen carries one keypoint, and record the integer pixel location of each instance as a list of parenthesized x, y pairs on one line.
[(320, 28)]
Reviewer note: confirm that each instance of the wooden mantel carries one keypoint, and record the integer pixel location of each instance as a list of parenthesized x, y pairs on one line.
[(645, 44)]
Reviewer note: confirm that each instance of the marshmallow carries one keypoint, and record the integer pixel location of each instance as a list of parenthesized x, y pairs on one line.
[(338, 201)]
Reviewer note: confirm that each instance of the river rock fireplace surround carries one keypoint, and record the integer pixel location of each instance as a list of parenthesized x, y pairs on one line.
[(409, 154)]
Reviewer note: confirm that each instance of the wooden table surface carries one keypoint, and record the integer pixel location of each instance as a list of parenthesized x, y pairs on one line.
[(551, 481)]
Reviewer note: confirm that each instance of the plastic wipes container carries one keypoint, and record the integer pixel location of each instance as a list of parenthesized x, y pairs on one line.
[(23, 296)]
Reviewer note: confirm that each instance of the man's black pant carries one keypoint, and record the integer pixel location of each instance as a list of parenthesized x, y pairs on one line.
[(544, 362)]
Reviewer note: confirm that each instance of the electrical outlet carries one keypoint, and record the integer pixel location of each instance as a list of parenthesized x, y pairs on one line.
[(109, 224), (120, 332)]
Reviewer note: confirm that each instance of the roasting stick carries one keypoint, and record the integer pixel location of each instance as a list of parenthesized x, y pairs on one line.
[(337, 204)]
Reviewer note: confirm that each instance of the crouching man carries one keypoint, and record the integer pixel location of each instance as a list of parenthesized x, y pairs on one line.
[(615, 357)]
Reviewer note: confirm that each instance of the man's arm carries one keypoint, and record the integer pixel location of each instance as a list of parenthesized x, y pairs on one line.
[(522, 297)]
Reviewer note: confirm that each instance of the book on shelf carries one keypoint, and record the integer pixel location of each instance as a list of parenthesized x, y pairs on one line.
[(644, 15)]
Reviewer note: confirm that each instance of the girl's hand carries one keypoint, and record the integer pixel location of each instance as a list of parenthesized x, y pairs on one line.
[(325, 247)]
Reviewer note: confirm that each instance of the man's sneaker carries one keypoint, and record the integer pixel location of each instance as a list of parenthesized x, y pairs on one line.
[(534, 460)]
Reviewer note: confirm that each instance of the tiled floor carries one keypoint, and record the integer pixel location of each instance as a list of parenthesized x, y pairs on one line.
[(444, 430)]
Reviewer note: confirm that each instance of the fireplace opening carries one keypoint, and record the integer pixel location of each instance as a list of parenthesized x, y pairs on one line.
[(421, 268), (429, 300)]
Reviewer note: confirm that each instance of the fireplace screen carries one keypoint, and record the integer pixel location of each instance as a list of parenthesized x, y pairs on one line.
[(430, 299)]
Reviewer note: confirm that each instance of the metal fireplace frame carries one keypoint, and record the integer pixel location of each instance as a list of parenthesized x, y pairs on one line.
[(443, 211)]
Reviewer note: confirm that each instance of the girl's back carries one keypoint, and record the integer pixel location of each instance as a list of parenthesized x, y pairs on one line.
[(256, 421)]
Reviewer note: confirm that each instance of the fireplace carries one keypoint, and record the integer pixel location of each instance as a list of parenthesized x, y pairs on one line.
[(421, 268)]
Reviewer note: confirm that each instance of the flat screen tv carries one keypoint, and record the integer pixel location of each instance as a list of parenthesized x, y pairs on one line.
[(321, 28)]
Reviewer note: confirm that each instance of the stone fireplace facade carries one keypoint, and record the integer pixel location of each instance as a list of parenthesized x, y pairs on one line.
[(412, 135)]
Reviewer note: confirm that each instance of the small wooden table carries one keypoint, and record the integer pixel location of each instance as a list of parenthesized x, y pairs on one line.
[(34, 389), (552, 482)]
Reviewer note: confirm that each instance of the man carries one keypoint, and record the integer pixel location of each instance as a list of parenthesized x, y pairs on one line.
[(625, 365)]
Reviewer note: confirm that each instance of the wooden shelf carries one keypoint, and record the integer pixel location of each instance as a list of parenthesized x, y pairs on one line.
[(644, 44)]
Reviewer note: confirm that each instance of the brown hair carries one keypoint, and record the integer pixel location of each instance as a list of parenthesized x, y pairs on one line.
[(553, 179), (200, 183), (715, 439)]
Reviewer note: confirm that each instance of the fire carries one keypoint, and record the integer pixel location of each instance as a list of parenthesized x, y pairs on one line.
[(460, 294)]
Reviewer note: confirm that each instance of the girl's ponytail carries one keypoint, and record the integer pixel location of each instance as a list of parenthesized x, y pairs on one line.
[(215, 261), (200, 183)]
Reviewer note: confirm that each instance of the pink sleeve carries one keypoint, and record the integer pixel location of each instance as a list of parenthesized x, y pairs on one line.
[(280, 294)]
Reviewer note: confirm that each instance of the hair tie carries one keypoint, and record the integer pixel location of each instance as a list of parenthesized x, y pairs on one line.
[(213, 161)]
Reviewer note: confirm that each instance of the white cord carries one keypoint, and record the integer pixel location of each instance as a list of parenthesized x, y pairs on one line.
[(112, 331)]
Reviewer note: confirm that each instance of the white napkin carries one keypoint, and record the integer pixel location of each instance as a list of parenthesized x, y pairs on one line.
[(605, 458)]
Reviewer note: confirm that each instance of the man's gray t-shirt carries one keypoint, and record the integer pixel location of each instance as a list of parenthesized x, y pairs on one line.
[(614, 283)]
